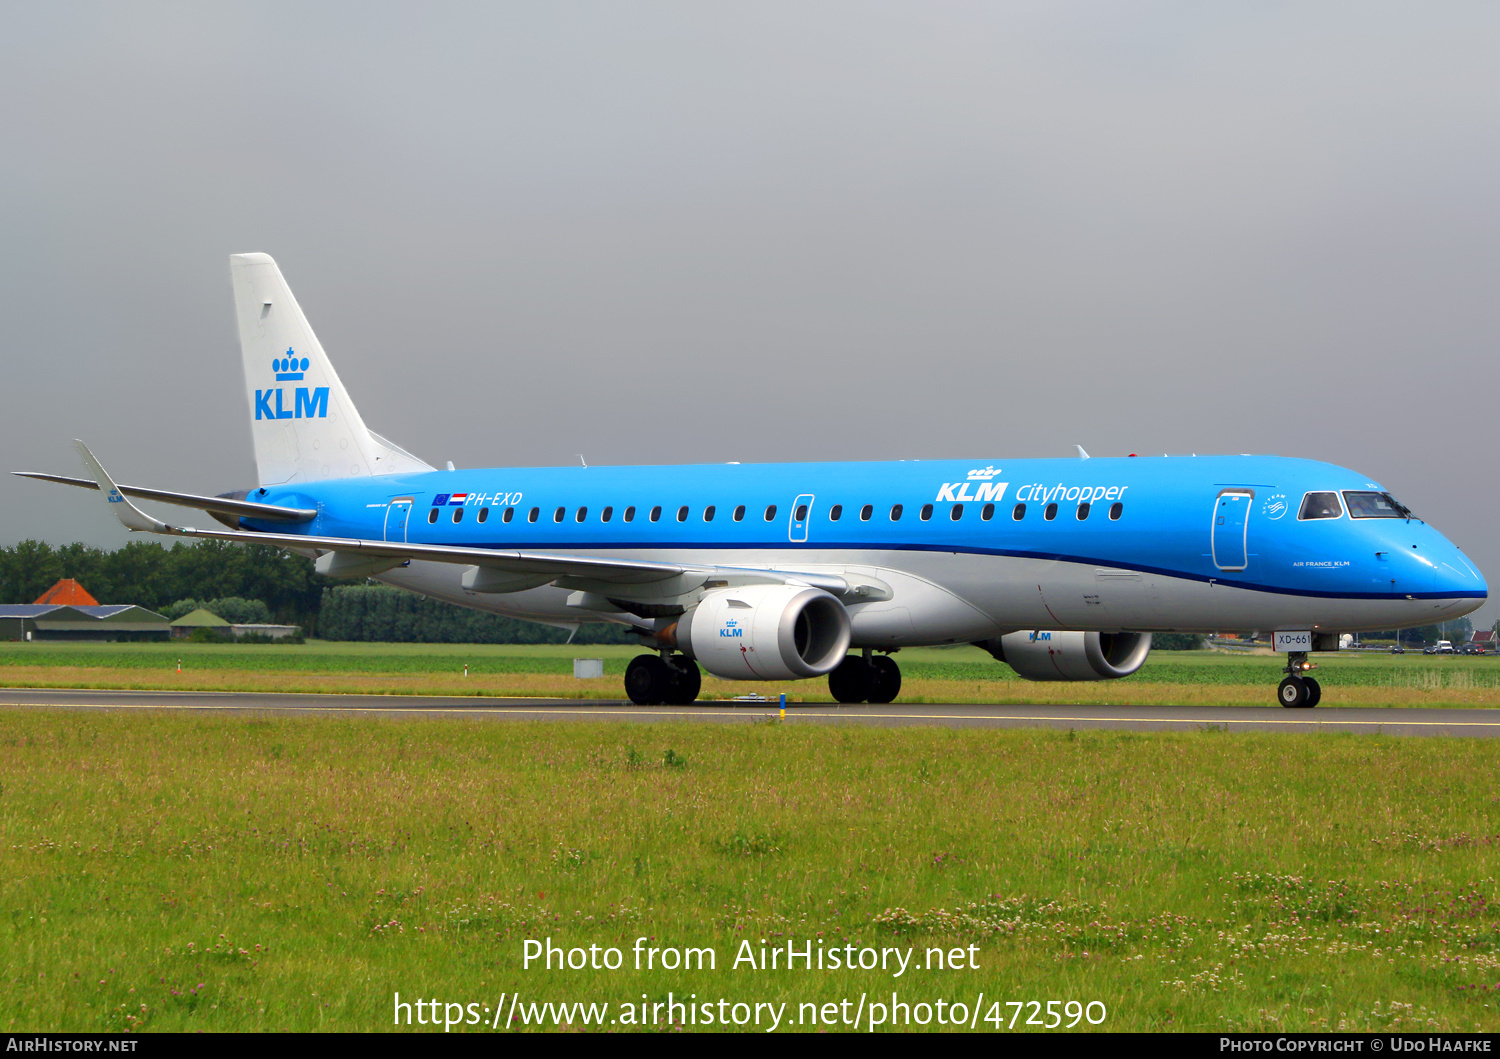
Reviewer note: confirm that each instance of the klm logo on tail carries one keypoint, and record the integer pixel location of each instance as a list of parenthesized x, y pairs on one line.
[(308, 402)]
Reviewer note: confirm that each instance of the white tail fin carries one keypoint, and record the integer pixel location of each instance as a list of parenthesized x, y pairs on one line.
[(305, 427)]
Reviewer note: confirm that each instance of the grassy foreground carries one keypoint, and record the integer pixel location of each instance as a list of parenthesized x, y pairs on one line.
[(958, 674), (169, 872)]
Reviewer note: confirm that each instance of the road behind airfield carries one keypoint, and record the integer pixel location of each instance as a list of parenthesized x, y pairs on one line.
[(1387, 721)]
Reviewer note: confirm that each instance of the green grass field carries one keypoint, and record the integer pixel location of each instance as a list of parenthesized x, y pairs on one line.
[(959, 674), (169, 872)]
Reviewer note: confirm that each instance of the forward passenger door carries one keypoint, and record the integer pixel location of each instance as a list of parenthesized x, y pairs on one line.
[(1231, 529)]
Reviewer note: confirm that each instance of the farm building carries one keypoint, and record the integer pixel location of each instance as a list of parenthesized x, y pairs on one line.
[(67, 612), (43, 621), (184, 627)]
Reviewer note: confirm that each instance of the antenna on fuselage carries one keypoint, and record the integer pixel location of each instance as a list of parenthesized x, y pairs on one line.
[(582, 460), (1081, 454)]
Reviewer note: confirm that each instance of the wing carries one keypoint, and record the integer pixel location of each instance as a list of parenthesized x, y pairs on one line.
[(629, 578)]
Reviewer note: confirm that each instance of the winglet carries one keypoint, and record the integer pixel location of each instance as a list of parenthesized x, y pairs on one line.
[(133, 517)]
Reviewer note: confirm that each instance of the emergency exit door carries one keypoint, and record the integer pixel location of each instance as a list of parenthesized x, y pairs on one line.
[(801, 514)]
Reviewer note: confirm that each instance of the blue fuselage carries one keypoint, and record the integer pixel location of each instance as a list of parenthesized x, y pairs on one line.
[(1179, 542)]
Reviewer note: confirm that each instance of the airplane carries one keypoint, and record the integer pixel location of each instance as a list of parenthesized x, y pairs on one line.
[(1061, 568)]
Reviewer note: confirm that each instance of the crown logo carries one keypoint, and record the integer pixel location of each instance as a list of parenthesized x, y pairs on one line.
[(983, 474), (288, 368)]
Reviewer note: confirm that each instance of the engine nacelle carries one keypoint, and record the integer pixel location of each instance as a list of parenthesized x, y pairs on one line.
[(766, 632), (1072, 655)]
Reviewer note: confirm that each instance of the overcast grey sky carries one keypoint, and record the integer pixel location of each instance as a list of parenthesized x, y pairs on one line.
[(686, 232)]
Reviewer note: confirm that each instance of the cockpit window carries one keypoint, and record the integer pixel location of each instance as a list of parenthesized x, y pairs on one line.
[(1320, 505), (1374, 505)]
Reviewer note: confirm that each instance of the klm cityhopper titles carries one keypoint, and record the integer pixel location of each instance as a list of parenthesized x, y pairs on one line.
[(1060, 568)]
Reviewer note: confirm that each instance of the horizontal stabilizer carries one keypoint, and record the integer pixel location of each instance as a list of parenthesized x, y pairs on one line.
[(217, 505)]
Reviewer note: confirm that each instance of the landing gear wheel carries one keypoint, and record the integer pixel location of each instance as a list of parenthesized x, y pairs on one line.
[(686, 682), (1314, 691), (849, 681), (1294, 692), (648, 680), (886, 682)]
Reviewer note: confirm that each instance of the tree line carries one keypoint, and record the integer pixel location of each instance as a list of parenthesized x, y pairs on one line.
[(258, 582), (155, 577)]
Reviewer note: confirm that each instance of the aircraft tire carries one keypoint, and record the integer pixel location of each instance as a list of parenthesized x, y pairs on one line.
[(685, 682), (887, 683), (648, 680), (849, 681), (1294, 693), (1314, 691)]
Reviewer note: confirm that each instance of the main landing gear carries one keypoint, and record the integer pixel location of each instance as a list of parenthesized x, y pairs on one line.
[(865, 678), (662, 680), (1297, 690)]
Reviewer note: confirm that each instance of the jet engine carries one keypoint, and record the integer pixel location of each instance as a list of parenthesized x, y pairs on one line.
[(1071, 655), (765, 632)]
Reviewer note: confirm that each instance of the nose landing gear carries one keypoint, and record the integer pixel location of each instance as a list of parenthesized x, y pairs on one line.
[(1295, 690)]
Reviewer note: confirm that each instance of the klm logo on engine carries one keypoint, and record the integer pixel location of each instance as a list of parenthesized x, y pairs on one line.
[(732, 628), (308, 402)]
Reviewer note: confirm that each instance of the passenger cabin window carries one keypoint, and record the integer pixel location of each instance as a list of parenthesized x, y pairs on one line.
[(770, 512), (656, 513), (510, 513), (1049, 512), (801, 513), (560, 514), (458, 514), (957, 512), (1320, 505), (1083, 511), (682, 513), (1374, 505), (708, 513), (484, 514), (739, 513), (583, 513), (896, 510), (607, 514), (432, 515), (533, 514), (629, 515), (1018, 512), (1115, 511), (987, 512), (865, 513), (835, 512), (925, 513)]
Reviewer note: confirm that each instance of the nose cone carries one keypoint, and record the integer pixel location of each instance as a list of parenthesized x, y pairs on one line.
[(1456, 584), (1457, 578)]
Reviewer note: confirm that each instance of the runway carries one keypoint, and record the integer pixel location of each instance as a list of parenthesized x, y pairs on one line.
[(1384, 721)]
